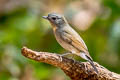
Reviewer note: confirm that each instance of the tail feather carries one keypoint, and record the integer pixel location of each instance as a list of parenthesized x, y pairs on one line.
[(92, 64), (89, 59)]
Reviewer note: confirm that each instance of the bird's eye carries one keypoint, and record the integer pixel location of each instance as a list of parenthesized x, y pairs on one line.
[(53, 18)]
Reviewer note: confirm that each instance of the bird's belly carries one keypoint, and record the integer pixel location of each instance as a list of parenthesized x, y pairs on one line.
[(65, 45)]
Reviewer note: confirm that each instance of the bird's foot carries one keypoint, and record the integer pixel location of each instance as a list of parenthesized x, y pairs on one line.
[(66, 54), (86, 68)]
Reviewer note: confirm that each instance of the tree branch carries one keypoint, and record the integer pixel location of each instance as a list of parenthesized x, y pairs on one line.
[(74, 69)]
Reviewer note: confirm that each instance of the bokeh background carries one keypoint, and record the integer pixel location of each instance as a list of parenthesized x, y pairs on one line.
[(21, 24)]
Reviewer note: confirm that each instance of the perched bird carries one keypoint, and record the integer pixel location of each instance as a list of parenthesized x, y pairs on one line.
[(68, 38)]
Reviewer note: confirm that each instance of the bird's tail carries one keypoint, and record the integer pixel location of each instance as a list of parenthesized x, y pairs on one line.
[(92, 64), (89, 59)]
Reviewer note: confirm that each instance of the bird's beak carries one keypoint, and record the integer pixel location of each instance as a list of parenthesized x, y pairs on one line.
[(45, 17)]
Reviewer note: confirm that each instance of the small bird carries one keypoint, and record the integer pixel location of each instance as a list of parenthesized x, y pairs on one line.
[(68, 38)]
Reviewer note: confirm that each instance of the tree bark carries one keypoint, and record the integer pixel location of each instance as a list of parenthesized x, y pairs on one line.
[(74, 69)]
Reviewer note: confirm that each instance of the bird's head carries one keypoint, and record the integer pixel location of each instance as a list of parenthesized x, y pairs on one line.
[(55, 19)]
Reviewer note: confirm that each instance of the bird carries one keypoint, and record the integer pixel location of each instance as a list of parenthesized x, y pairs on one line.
[(68, 38)]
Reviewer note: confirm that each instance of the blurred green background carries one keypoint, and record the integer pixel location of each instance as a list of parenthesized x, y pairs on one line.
[(21, 24)]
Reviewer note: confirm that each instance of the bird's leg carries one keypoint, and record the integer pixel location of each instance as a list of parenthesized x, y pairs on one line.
[(65, 54), (69, 53)]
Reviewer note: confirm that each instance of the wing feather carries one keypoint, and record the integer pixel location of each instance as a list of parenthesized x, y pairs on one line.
[(75, 42)]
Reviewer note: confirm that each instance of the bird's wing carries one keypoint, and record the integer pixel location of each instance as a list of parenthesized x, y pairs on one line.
[(75, 42)]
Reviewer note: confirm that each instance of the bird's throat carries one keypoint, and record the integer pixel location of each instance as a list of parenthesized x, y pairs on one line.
[(53, 26)]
